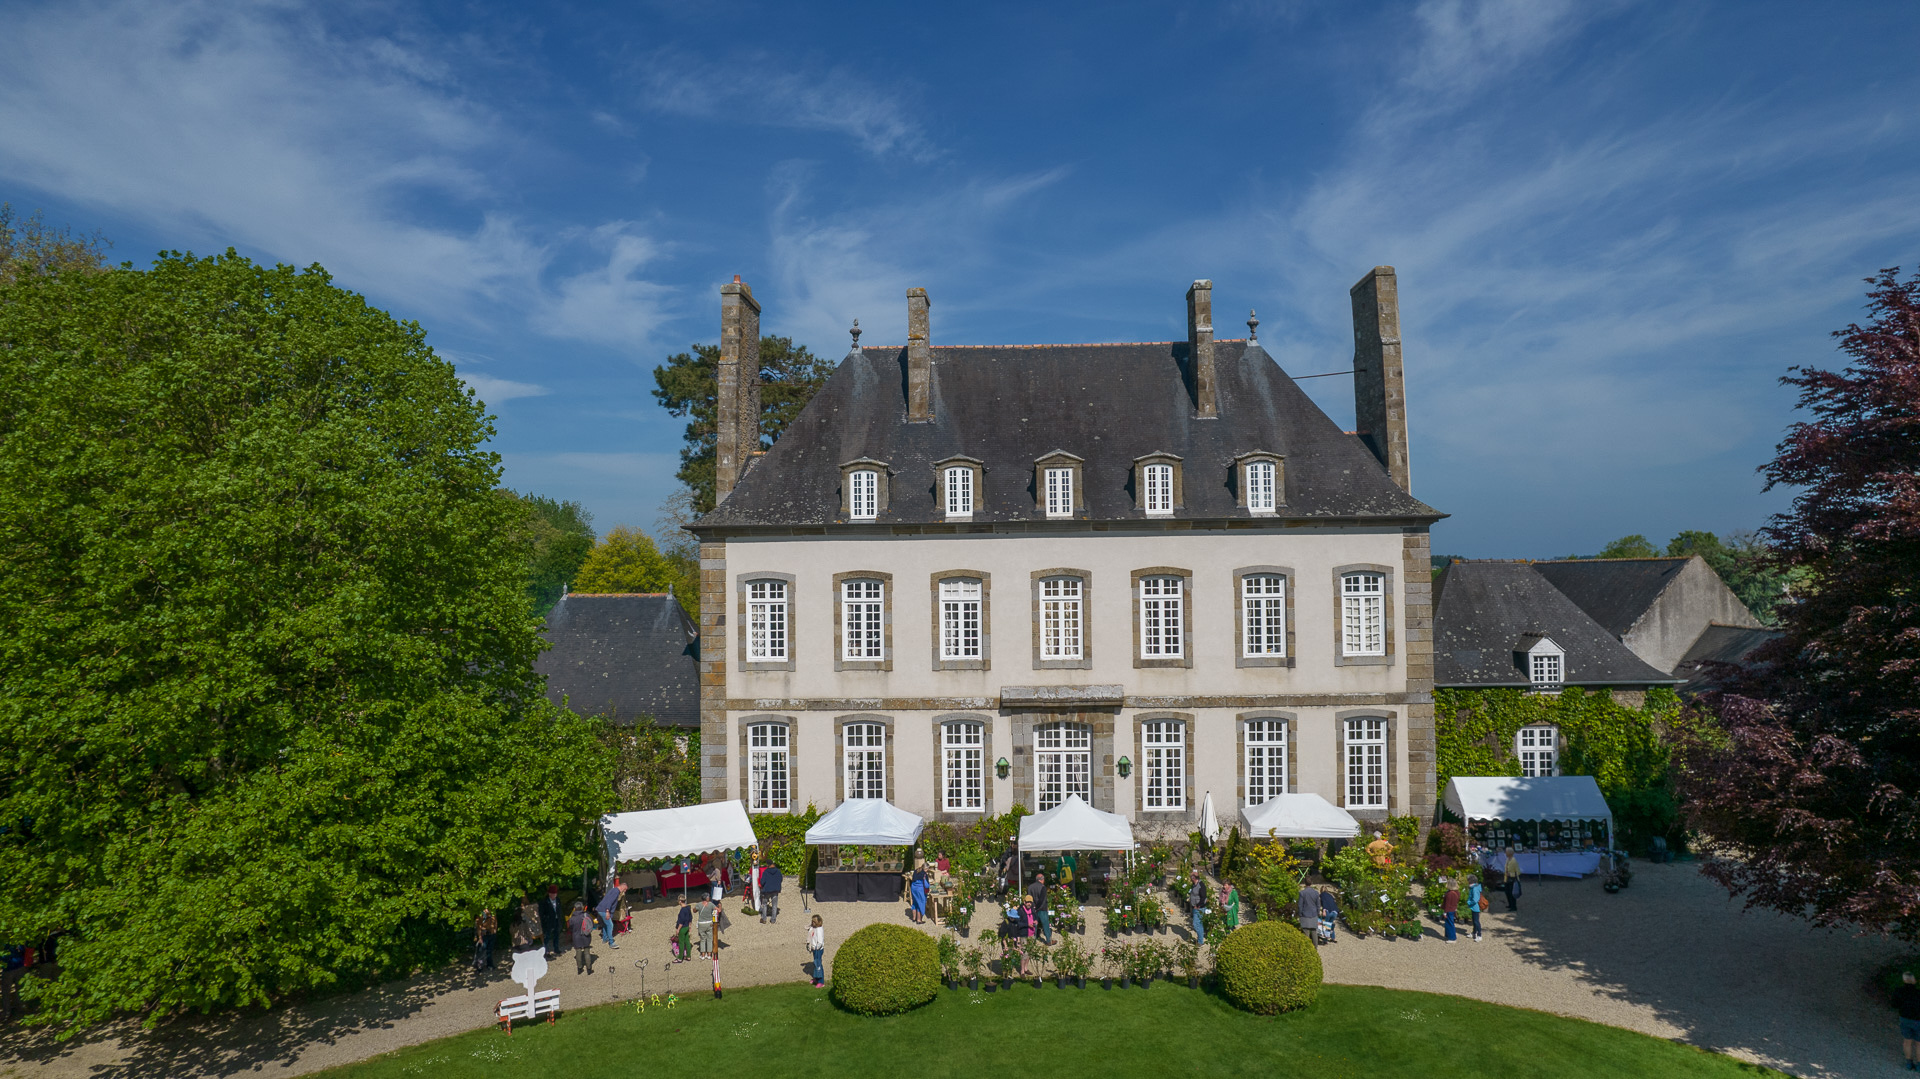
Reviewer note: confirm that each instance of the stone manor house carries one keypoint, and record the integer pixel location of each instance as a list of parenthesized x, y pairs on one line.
[(970, 577)]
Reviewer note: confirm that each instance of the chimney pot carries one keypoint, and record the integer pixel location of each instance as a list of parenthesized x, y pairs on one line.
[(1200, 371), (919, 358), (1379, 388)]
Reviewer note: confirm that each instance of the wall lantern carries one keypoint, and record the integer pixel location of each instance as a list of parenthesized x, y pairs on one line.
[(1001, 768), (1126, 768)]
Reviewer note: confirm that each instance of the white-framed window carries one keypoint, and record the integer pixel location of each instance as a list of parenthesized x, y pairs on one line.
[(959, 491), (766, 621), (1366, 763), (960, 618), (1063, 763), (863, 494), (1060, 618), (1163, 742), (1161, 618), (1263, 615), (1158, 482), (1059, 492), (865, 754), (1539, 750), (1363, 614), (1547, 670), (768, 783), (963, 767), (1266, 763), (862, 618), (1260, 486)]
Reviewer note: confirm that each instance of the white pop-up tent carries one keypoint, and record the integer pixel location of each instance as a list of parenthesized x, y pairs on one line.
[(1299, 816), (647, 834), (1075, 825), (1530, 798), (872, 822)]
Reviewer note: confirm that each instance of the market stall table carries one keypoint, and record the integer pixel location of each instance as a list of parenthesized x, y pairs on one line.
[(862, 823)]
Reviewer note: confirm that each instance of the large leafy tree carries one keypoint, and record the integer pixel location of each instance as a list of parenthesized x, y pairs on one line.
[(268, 719), (1814, 786), (30, 247), (629, 561), (688, 385), (560, 535)]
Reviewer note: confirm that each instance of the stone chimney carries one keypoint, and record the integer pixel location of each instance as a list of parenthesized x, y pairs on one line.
[(919, 359), (1200, 373), (1379, 391), (738, 434)]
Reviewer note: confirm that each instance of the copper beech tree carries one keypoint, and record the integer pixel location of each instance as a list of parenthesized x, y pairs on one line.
[(1812, 781)]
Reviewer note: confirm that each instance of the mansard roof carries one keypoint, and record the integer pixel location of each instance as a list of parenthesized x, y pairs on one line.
[(1110, 404), (1486, 611), (623, 656)]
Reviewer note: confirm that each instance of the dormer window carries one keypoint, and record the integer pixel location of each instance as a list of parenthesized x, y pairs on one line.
[(864, 494), (1156, 480), (959, 491), (1059, 484), (1262, 481), (1546, 670), (1056, 484), (1544, 661), (1260, 486)]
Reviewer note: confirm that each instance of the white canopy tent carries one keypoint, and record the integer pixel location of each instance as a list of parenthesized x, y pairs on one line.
[(1531, 798), (647, 834), (1299, 816), (872, 822), (1072, 825)]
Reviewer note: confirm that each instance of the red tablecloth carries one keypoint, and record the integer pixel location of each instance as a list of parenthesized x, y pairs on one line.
[(670, 880)]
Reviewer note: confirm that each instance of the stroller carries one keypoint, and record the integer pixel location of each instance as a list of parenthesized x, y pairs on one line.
[(1323, 933)]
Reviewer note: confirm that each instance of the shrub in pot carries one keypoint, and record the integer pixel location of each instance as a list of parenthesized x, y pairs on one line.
[(885, 969), (1268, 967)]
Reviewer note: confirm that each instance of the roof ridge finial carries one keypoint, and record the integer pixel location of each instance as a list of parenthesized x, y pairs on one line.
[(1253, 326), (856, 335)]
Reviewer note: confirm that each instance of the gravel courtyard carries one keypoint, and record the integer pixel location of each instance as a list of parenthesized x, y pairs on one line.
[(1669, 957)]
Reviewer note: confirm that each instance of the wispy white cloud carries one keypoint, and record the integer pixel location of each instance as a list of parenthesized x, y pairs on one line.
[(758, 89), (497, 391), (609, 304)]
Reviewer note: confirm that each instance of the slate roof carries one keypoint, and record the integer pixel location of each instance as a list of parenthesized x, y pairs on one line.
[(630, 655), (1718, 643), (1614, 591), (1008, 405), (1483, 609)]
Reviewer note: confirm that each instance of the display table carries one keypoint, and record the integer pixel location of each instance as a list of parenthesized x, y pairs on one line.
[(1559, 863), (857, 887), (671, 880)]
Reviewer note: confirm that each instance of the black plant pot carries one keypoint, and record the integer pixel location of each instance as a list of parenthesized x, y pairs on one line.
[(1126, 982), (1059, 981), (993, 987), (963, 932), (1106, 983), (1193, 983), (1007, 985), (973, 983), (1039, 982), (1147, 982), (1082, 981)]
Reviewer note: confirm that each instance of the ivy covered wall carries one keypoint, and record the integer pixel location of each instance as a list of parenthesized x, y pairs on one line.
[(1622, 747)]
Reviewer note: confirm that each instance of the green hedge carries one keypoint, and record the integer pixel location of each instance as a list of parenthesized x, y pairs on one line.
[(1268, 967), (884, 969)]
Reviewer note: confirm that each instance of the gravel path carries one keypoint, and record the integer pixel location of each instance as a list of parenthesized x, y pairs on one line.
[(1670, 957)]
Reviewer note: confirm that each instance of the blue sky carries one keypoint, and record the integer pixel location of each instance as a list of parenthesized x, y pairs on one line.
[(1615, 224)]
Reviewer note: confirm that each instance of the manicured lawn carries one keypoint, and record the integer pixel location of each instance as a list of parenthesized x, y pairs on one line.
[(1168, 1030)]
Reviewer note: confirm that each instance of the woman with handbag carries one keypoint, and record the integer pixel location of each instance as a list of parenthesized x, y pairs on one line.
[(1476, 902)]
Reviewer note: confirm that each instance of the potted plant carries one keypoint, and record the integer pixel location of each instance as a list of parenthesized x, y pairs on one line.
[(1037, 954), (1119, 957), (1187, 955), (1153, 913), (974, 961), (1069, 961), (989, 938), (949, 951)]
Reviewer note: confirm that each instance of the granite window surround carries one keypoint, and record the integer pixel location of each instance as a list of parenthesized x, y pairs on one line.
[(882, 475), (1189, 809), (1240, 484), (1378, 813), (840, 724), (1388, 583), (1290, 722), (885, 662), (985, 660), (1085, 577), (1137, 484), (1240, 657), (1076, 467), (940, 724), (1102, 723), (745, 762), (978, 469), (1185, 658), (740, 616)]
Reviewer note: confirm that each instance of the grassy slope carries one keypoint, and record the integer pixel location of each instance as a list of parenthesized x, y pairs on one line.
[(793, 1031)]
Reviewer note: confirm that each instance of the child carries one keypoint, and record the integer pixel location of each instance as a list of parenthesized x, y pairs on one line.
[(817, 943)]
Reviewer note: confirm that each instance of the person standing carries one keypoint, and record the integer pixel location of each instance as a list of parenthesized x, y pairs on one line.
[(817, 944), (1907, 1000), (917, 894), (1309, 911), (1476, 896), (608, 910), (1330, 914), (1038, 892), (1450, 909), (1200, 898), (550, 921), (770, 882), (1233, 907), (1510, 879), (580, 935), (703, 922), (484, 927), (683, 923)]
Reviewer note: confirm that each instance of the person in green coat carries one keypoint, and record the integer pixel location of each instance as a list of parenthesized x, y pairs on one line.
[(1233, 908)]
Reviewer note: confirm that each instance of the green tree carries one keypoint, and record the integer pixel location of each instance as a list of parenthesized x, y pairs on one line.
[(628, 561), (688, 385), (32, 248), (1635, 546), (560, 535), (269, 723), (654, 767)]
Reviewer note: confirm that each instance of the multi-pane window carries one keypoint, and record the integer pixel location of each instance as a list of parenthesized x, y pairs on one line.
[(963, 767), (1547, 671), (960, 618), (866, 760), (1059, 492), (1158, 482), (864, 494), (1366, 763), (1063, 763), (1539, 751), (959, 491), (862, 614), (1263, 615), (1266, 759), (766, 621), (1160, 618), (1260, 486), (1164, 745), (1060, 618), (1363, 608), (767, 774)]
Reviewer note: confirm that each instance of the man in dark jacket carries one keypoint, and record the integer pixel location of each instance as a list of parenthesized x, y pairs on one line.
[(1907, 1000), (580, 934), (770, 882), (550, 922), (1038, 890)]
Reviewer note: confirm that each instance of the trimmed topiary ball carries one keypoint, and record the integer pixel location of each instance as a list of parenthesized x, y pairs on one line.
[(884, 969), (1268, 967)]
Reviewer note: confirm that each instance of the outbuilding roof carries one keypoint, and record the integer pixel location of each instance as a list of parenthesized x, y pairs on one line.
[(625, 656), (1615, 592), (1007, 406), (1485, 610), (1718, 643)]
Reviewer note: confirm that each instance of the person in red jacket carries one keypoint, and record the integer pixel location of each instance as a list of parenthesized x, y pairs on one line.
[(1450, 908)]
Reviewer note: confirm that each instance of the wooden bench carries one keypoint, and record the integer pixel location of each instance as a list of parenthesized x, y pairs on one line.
[(545, 1002)]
